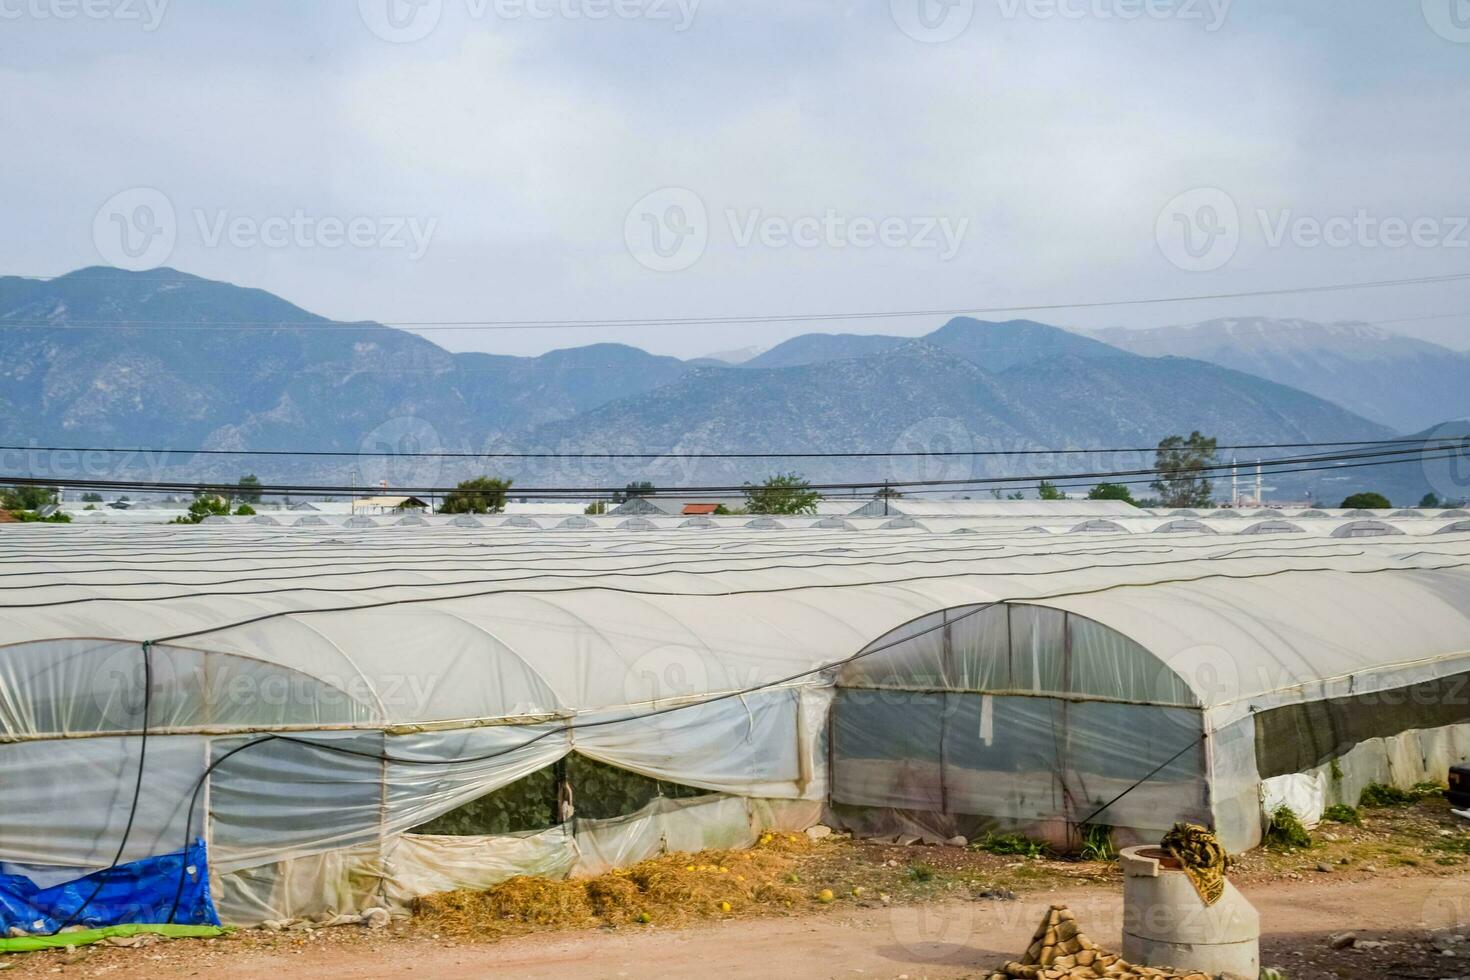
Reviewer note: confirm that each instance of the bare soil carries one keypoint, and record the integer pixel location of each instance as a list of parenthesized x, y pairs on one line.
[(1398, 883)]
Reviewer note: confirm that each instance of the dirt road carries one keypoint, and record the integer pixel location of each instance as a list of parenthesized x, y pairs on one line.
[(945, 940)]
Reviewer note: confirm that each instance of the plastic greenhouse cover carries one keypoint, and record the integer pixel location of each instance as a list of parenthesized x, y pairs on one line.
[(269, 627)]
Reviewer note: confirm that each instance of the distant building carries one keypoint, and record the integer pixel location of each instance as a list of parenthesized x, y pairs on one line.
[(387, 505)]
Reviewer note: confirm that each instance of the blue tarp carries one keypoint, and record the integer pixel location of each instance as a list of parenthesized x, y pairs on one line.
[(137, 892)]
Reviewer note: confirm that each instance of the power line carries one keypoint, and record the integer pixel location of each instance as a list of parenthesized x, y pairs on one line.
[(525, 324), (1419, 453), (876, 454)]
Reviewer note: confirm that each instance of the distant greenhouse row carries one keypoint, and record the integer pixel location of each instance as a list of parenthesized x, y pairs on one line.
[(1316, 523)]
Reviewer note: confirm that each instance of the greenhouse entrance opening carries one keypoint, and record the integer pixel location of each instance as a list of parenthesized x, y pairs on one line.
[(1008, 716)]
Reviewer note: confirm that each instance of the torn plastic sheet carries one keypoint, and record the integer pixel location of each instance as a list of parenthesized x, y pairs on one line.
[(140, 891)]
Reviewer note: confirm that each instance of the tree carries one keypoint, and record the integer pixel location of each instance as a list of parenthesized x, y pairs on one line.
[(1111, 491), (482, 495), (249, 490), (1180, 463), (1366, 501), (1048, 491), (91, 498), (596, 507), (204, 507), (784, 493), (640, 488), (244, 510), (1431, 500), (25, 497)]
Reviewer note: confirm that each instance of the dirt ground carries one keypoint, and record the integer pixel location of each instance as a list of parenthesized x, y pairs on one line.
[(1399, 883)]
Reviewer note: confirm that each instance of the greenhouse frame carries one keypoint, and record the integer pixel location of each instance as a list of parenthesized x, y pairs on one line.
[(324, 719)]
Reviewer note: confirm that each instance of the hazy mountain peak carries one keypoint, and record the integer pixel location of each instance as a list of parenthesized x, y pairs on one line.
[(1406, 382)]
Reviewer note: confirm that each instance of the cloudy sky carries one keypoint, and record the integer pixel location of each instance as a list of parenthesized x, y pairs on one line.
[(550, 160)]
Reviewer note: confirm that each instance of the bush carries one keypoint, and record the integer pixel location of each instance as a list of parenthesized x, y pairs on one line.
[(1097, 843), (202, 508), (1376, 795), (1011, 844), (25, 497), (1286, 831), (1342, 813), (1366, 501), (244, 510), (31, 517), (482, 495), (921, 872)]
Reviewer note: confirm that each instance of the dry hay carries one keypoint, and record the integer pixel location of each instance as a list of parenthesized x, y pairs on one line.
[(670, 889)]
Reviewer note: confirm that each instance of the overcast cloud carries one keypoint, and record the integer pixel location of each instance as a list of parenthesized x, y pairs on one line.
[(615, 159)]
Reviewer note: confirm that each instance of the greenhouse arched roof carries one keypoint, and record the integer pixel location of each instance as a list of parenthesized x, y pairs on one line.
[(441, 629)]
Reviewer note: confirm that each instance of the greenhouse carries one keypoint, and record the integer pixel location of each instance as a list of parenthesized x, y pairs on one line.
[(266, 722)]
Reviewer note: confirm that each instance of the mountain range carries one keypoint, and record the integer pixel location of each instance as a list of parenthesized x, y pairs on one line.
[(1405, 383), (165, 359)]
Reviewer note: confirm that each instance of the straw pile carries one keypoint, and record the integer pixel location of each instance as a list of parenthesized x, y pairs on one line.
[(671, 889), (1060, 951)]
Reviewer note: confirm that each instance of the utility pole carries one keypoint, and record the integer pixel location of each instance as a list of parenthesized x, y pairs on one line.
[(1234, 482), (1259, 501)]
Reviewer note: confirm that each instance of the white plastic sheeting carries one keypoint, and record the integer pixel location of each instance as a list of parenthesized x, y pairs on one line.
[(476, 656)]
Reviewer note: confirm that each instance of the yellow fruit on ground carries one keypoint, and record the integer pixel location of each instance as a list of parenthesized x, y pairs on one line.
[(825, 895), (858, 890), (724, 906)]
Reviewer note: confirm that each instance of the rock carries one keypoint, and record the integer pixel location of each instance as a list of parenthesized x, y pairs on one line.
[(998, 894), (1371, 868), (1324, 867), (375, 918), (1343, 940), (907, 840), (818, 832), (958, 842), (273, 925)]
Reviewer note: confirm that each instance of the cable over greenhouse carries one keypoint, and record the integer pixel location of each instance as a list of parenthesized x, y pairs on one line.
[(247, 722)]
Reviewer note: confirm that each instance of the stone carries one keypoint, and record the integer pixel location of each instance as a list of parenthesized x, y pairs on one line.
[(958, 841), (818, 832), (998, 894), (1343, 940), (375, 918), (1324, 867)]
